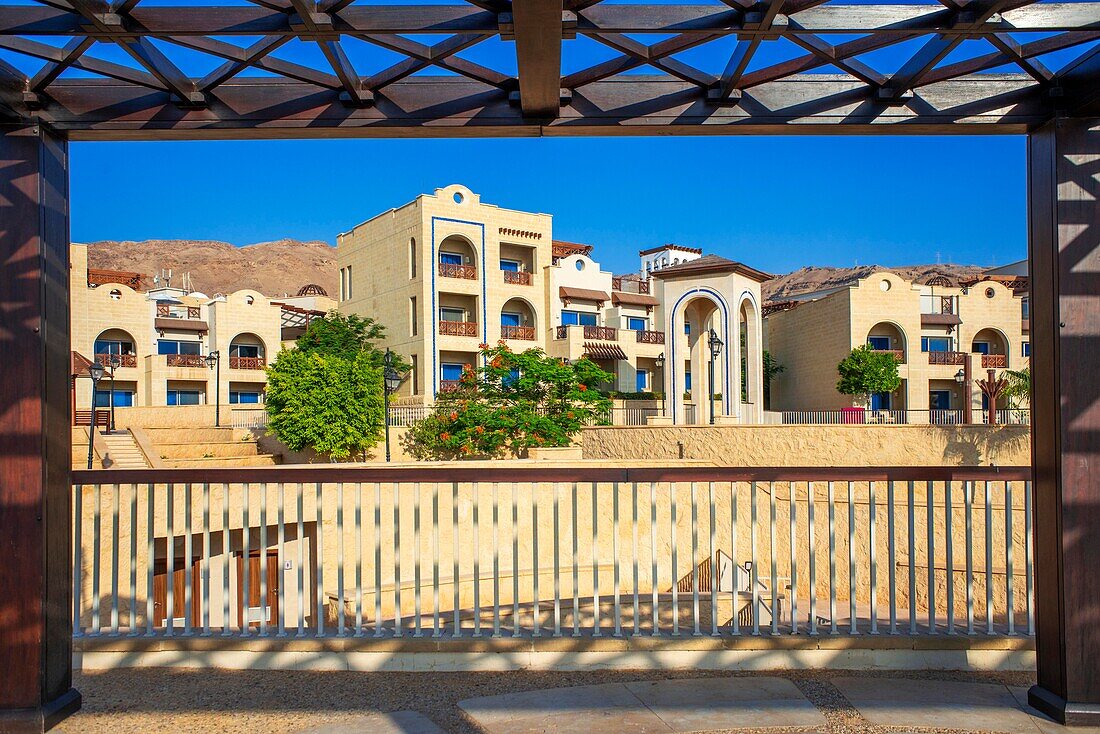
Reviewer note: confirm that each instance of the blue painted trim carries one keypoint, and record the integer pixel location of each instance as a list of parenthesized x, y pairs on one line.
[(435, 310), (720, 302)]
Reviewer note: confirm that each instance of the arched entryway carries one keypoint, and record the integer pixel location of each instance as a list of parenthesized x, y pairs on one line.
[(247, 352), (517, 320), (457, 258), (698, 380)]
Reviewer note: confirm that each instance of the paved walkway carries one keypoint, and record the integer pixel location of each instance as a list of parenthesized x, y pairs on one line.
[(787, 702)]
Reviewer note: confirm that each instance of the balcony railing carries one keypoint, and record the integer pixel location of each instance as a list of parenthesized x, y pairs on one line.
[(993, 361), (186, 360), (650, 337), (167, 311), (859, 416), (454, 270), (629, 285), (947, 358), (458, 328), (899, 354), (918, 551), (247, 363), (606, 333), (124, 360), (514, 277), (449, 385), (526, 333)]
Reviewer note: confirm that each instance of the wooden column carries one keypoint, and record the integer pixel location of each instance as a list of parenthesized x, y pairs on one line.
[(35, 437), (1064, 225)]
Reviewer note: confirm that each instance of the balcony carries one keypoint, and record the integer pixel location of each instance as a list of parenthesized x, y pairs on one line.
[(185, 360), (645, 336), (994, 361), (124, 360), (168, 311), (947, 358), (940, 311), (605, 333), (517, 277), (524, 333), (629, 285), (899, 354), (247, 363), (454, 270), (458, 328)]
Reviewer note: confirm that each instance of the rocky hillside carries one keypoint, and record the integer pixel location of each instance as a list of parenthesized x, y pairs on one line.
[(807, 280), (273, 268), (282, 267)]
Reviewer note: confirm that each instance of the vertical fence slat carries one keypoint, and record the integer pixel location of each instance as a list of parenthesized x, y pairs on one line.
[(988, 557), (97, 548), (831, 499), (853, 626), (618, 612), (205, 559), (930, 517), (188, 564), (793, 537), (557, 560), (227, 554), (150, 536), (535, 609), (576, 568), (675, 564), (811, 522), (435, 560), (596, 616), (949, 550), (696, 631), (634, 554), (359, 560), (398, 623), (872, 522), (735, 599), (911, 509), (653, 582), (496, 563), (892, 554), (713, 550), (774, 565), (263, 563), (115, 539), (418, 630), (476, 521), (134, 558), (1009, 606), (378, 559), (754, 575), (78, 567), (169, 561), (341, 612), (246, 553), (301, 537), (1029, 561), (515, 561), (968, 500)]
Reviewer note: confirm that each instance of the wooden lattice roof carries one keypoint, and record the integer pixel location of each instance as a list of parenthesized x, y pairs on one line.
[(111, 69)]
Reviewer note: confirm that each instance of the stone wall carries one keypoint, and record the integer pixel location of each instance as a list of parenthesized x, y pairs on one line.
[(814, 445)]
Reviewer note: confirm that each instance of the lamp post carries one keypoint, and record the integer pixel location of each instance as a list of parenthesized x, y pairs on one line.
[(659, 363), (116, 362), (962, 377), (715, 349), (95, 371), (214, 362), (391, 380)]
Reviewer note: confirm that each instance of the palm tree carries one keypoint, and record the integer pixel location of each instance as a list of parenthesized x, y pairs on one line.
[(1018, 389)]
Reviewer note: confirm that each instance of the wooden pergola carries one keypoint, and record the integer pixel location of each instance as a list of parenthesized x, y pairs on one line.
[(832, 86)]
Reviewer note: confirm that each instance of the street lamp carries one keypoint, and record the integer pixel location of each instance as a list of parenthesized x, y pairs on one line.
[(391, 381), (115, 362), (962, 377), (214, 362), (715, 349), (95, 371)]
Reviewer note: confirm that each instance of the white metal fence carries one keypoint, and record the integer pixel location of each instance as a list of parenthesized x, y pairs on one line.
[(900, 417), (456, 552), (255, 417)]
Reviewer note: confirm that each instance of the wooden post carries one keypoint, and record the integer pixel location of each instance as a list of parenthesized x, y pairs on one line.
[(35, 436), (1064, 233)]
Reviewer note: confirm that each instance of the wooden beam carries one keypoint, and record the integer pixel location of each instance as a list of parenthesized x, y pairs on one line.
[(73, 50), (1064, 239), (85, 63), (992, 60), (454, 106), (35, 487), (603, 18), (250, 57), (538, 34)]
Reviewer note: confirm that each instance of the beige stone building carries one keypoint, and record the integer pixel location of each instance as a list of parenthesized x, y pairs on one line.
[(159, 338), (934, 329), (447, 272)]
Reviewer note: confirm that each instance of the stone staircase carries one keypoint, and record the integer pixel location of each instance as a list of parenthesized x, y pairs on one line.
[(120, 451), (207, 447)]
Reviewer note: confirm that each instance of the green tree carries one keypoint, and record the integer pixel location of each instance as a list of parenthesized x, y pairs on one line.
[(772, 368), (866, 371), (325, 402), (346, 336), (513, 402), (1018, 389)]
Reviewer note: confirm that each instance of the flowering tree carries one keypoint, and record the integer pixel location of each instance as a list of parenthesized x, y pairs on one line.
[(866, 371), (514, 401)]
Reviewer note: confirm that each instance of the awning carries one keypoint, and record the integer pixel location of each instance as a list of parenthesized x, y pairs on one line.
[(170, 324), (582, 294), (634, 299), (78, 364), (599, 350)]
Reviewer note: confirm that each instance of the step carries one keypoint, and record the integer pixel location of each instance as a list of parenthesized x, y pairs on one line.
[(198, 450), (195, 435), (257, 460)]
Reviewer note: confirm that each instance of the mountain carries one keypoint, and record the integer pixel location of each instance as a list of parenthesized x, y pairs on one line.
[(273, 268), (810, 279), (283, 266)]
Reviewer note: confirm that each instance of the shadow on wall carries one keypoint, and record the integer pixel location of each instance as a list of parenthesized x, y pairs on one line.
[(974, 448)]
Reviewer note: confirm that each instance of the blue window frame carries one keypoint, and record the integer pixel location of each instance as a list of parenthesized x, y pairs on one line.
[(687, 328), (641, 380), (245, 397), (687, 380), (634, 323), (113, 346), (171, 346), (450, 258), (981, 347), (183, 397), (509, 319), (123, 398), (578, 318), (512, 266), (450, 371), (1026, 351), (452, 314), (511, 378), (879, 343), (935, 344), (244, 350), (880, 401)]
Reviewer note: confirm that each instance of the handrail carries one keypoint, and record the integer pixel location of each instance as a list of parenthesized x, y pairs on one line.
[(526, 474)]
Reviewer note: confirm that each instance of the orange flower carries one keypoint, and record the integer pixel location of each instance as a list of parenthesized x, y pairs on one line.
[(582, 388), (445, 436), (496, 362), (570, 414), (483, 345), (480, 429), (454, 416)]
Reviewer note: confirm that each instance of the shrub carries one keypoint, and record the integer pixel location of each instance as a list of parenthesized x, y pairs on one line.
[(866, 371)]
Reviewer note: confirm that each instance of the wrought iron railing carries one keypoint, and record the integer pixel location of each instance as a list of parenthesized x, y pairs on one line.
[(460, 551), (517, 277), (650, 337), (526, 333), (185, 360), (458, 328), (454, 270)]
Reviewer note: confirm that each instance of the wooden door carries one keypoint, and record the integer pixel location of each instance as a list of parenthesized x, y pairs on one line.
[(179, 591), (254, 605)]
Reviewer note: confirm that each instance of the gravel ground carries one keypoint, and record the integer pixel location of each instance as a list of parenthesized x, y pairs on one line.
[(224, 701)]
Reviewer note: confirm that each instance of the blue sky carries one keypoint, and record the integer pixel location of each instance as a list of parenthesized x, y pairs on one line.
[(776, 203)]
